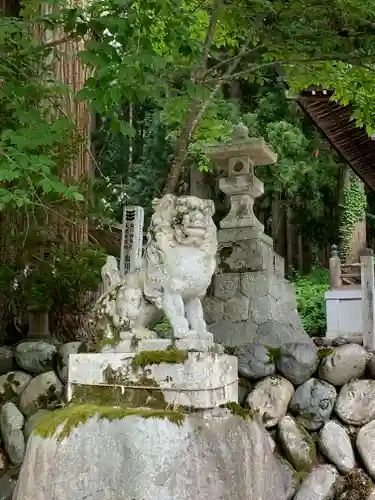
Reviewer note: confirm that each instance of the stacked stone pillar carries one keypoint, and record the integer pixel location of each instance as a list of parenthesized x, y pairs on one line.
[(251, 301)]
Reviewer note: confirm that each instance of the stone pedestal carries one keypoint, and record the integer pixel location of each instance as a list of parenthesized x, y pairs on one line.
[(205, 456), (199, 380), (250, 301)]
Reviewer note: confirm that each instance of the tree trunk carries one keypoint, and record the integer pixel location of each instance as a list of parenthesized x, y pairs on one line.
[(72, 74), (10, 7), (181, 147)]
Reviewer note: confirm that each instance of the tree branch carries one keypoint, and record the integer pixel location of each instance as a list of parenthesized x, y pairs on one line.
[(355, 60), (210, 33), (234, 58), (54, 43), (196, 111)]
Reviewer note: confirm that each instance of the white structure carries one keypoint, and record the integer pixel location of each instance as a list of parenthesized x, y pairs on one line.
[(131, 240), (351, 309), (344, 312)]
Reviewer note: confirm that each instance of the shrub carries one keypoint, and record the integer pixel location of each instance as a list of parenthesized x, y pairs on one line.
[(310, 291)]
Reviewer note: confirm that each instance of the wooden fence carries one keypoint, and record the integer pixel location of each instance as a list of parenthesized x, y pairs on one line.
[(361, 275)]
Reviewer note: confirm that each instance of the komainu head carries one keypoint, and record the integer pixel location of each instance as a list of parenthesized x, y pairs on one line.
[(187, 220)]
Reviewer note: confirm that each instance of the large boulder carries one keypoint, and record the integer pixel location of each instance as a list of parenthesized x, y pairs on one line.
[(43, 392), (36, 357), (366, 447), (6, 360), (355, 404), (62, 358), (297, 361), (11, 425), (119, 454), (313, 403), (298, 445), (319, 484), (270, 398), (33, 421), (345, 363), (7, 485), (12, 386), (335, 444), (255, 361)]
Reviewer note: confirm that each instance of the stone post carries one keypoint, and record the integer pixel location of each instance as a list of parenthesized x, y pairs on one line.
[(368, 298), (335, 268)]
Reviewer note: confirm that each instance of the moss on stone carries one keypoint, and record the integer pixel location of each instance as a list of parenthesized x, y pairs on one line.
[(324, 352), (168, 356), (61, 422), (356, 485), (122, 392), (237, 409), (274, 353), (302, 467), (9, 394)]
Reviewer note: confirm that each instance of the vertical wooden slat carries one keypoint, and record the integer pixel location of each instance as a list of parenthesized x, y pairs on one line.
[(368, 299)]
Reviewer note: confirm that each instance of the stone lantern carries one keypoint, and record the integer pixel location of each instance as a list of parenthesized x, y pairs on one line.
[(237, 160), (251, 300)]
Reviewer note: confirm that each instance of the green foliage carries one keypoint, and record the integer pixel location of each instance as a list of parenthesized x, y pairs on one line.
[(58, 283), (306, 173), (147, 178), (353, 209), (179, 54), (310, 291), (33, 131)]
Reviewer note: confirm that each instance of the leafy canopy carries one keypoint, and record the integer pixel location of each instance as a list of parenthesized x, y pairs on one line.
[(33, 131), (178, 52)]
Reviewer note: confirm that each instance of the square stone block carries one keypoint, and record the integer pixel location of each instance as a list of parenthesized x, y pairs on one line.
[(203, 380), (129, 345)]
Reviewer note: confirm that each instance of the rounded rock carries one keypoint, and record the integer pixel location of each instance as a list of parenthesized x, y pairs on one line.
[(366, 447), (62, 358), (231, 459), (297, 361), (12, 386), (36, 357), (355, 404), (3, 462), (271, 397), (335, 445), (298, 445), (255, 361), (345, 363), (319, 484), (11, 425), (313, 403), (7, 486), (289, 477), (6, 360), (43, 392), (33, 421), (371, 366)]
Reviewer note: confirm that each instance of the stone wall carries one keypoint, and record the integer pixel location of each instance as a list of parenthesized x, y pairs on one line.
[(257, 306), (318, 405), (32, 379)]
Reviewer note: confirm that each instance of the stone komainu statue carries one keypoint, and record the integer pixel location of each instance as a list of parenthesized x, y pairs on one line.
[(177, 268)]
